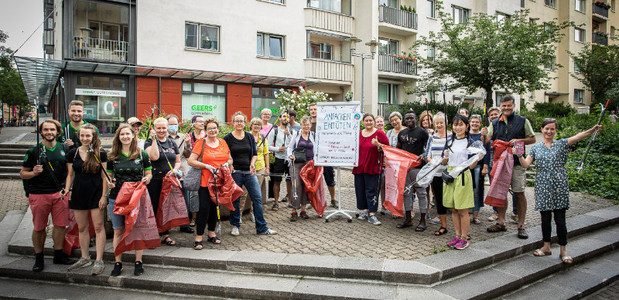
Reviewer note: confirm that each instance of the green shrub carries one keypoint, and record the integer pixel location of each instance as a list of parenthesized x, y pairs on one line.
[(548, 109), (599, 176)]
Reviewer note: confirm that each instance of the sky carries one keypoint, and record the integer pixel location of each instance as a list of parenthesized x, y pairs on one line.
[(19, 19)]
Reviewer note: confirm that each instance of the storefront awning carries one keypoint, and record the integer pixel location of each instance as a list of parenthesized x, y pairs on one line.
[(40, 76), (555, 94)]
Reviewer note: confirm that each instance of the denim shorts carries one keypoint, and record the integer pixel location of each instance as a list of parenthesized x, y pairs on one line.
[(118, 221)]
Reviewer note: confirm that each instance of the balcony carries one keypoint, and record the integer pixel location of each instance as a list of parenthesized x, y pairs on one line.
[(600, 11), (99, 49), (329, 70), (393, 64), (600, 38), (327, 20), (398, 19)]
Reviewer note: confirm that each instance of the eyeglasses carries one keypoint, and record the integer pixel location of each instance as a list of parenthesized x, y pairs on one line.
[(238, 121), (212, 129), (201, 122)]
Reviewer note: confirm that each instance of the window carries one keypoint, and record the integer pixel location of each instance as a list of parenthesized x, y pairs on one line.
[(276, 1), (549, 64), (387, 93), (578, 96), (431, 96), (339, 6), (204, 99), (550, 3), (498, 97), (321, 50), (389, 3), (576, 68), (549, 29), (431, 52), (200, 36), (460, 15), (522, 3), (431, 9), (579, 5), (264, 97), (270, 45), (612, 32), (501, 17), (579, 35), (612, 5), (388, 46)]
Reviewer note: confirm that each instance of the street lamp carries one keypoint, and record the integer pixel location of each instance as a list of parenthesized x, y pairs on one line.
[(373, 43)]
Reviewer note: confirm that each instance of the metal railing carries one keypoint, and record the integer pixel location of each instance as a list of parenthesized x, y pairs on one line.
[(397, 17), (328, 69), (329, 20), (99, 49), (384, 109), (390, 63), (600, 38), (602, 11)]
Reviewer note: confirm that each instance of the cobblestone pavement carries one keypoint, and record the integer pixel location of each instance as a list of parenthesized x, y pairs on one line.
[(606, 293), (12, 196)]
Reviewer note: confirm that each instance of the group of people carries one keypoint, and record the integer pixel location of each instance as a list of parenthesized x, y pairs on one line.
[(69, 170)]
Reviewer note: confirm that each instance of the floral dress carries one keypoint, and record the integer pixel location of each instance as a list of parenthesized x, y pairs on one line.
[(551, 185)]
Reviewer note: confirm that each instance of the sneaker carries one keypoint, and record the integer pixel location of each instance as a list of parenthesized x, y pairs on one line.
[(363, 216), (453, 242), (241, 220), (81, 263), (252, 218), (462, 245), (97, 268), (373, 220), (293, 217), (118, 268), (138, 270), (268, 232), (522, 233), (235, 231), (285, 199), (493, 217), (334, 203)]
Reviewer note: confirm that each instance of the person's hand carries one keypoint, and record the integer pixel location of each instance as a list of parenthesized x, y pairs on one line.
[(146, 180), (211, 168), (38, 169), (291, 157), (596, 127), (112, 185), (484, 131), (481, 156), (444, 161), (178, 173), (446, 153), (282, 149), (286, 131), (375, 142), (484, 170), (511, 143), (187, 139), (69, 142), (102, 203), (153, 134), (252, 169)]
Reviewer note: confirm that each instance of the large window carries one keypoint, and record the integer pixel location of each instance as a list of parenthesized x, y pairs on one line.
[(579, 5), (431, 54), (389, 3), (460, 15), (339, 6), (264, 97), (431, 9), (551, 3), (270, 45), (579, 35), (105, 100), (321, 50), (578, 96), (204, 99), (387, 93), (200, 36), (388, 46)]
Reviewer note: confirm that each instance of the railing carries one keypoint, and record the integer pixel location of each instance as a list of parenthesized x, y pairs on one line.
[(329, 70), (602, 11), (600, 38), (390, 63), (329, 20), (384, 109), (397, 17), (99, 49)]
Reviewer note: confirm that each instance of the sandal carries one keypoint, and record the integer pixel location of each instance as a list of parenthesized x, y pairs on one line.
[(476, 221), (539, 252), (192, 223), (436, 220), (293, 217), (404, 225), (567, 259), (197, 245), (496, 228), (168, 241), (275, 207), (440, 231), (213, 239), (421, 228)]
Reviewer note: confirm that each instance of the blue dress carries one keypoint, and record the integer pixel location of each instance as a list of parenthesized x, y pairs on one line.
[(551, 185)]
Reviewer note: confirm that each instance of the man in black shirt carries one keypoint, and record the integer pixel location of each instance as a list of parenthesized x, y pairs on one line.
[(45, 171), (413, 139)]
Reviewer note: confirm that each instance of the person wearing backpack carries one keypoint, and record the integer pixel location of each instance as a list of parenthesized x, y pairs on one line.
[(279, 138), (44, 171)]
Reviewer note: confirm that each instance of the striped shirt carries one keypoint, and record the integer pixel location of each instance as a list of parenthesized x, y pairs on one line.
[(437, 146)]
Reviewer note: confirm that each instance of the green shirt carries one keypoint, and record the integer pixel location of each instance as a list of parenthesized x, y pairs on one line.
[(128, 170), (44, 182), (70, 133)]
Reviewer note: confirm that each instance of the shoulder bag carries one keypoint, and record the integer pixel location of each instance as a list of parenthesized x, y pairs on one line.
[(194, 176)]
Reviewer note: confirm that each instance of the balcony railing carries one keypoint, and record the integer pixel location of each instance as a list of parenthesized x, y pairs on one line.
[(329, 70), (600, 38), (599, 10), (397, 17), (391, 63), (384, 109), (329, 20), (99, 49)]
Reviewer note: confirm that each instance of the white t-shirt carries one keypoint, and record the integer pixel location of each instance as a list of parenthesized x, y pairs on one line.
[(459, 152)]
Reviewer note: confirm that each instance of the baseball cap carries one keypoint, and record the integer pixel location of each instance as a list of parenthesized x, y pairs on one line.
[(133, 120)]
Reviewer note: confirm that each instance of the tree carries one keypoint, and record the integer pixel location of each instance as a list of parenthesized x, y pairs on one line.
[(299, 101), (598, 70), (487, 53), (11, 87)]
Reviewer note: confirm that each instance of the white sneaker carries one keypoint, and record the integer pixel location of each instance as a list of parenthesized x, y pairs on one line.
[(252, 218), (81, 263), (97, 268), (235, 231), (363, 216), (268, 232), (373, 220), (493, 217)]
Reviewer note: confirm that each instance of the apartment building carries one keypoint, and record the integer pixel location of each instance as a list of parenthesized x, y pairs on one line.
[(214, 58)]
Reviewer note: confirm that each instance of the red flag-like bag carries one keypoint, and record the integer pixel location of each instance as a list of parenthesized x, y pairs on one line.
[(397, 164), (72, 232), (141, 232), (501, 175), (172, 210), (227, 189), (314, 186)]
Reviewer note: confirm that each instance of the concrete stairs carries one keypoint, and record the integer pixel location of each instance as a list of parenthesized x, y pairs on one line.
[(500, 267), (11, 159)]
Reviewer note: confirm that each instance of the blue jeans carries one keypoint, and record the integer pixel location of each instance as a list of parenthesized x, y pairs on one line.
[(253, 189)]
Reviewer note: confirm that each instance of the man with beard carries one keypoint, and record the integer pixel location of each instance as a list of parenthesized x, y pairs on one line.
[(76, 120), (413, 139), (278, 140), (45, 173)]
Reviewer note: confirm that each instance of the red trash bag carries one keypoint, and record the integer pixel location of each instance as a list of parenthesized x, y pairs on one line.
[(501, 175), (227, 189), (172, 210), (141, 232), (314, 186), (397, 164), (72, 232)]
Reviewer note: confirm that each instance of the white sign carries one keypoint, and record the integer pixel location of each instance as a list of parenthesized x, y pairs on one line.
[(108, 93), (337, 134)]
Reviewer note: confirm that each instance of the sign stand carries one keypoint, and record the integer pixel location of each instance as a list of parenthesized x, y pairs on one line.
[(339, 210)]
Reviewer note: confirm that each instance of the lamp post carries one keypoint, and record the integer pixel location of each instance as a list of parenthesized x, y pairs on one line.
[(353, 53)]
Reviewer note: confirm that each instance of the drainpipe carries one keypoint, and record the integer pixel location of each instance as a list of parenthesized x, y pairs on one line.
[(159, 88)]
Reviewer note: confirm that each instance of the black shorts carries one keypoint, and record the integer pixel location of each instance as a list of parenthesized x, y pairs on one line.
[(280, 166), (329, 175)]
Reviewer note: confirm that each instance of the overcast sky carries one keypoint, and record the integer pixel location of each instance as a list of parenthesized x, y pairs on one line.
[(19, 18)]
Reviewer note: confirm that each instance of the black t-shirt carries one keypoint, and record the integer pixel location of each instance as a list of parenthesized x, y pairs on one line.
[(86, 186), (242, 151), (414, 141), (44, 183), (160, 166), (128, 170)]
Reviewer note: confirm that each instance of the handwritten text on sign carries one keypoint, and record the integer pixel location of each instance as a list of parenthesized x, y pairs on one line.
[(337, 134)]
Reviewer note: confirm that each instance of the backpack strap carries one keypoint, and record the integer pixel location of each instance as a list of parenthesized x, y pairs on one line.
[(202, 152)]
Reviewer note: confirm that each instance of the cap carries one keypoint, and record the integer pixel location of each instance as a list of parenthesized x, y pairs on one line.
[(134, 120)]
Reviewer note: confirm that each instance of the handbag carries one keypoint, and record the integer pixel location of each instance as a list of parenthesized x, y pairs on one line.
[(299, 154), (447, 178), (194, 176)]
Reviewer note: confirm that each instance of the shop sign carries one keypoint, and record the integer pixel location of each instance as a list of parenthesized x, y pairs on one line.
[(108, 108), (94, 92)]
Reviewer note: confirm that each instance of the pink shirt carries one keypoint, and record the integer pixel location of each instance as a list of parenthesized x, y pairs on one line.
[(368, 153), (265, 130)]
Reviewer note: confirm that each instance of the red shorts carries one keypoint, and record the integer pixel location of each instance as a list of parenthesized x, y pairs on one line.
[(42, 204)]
